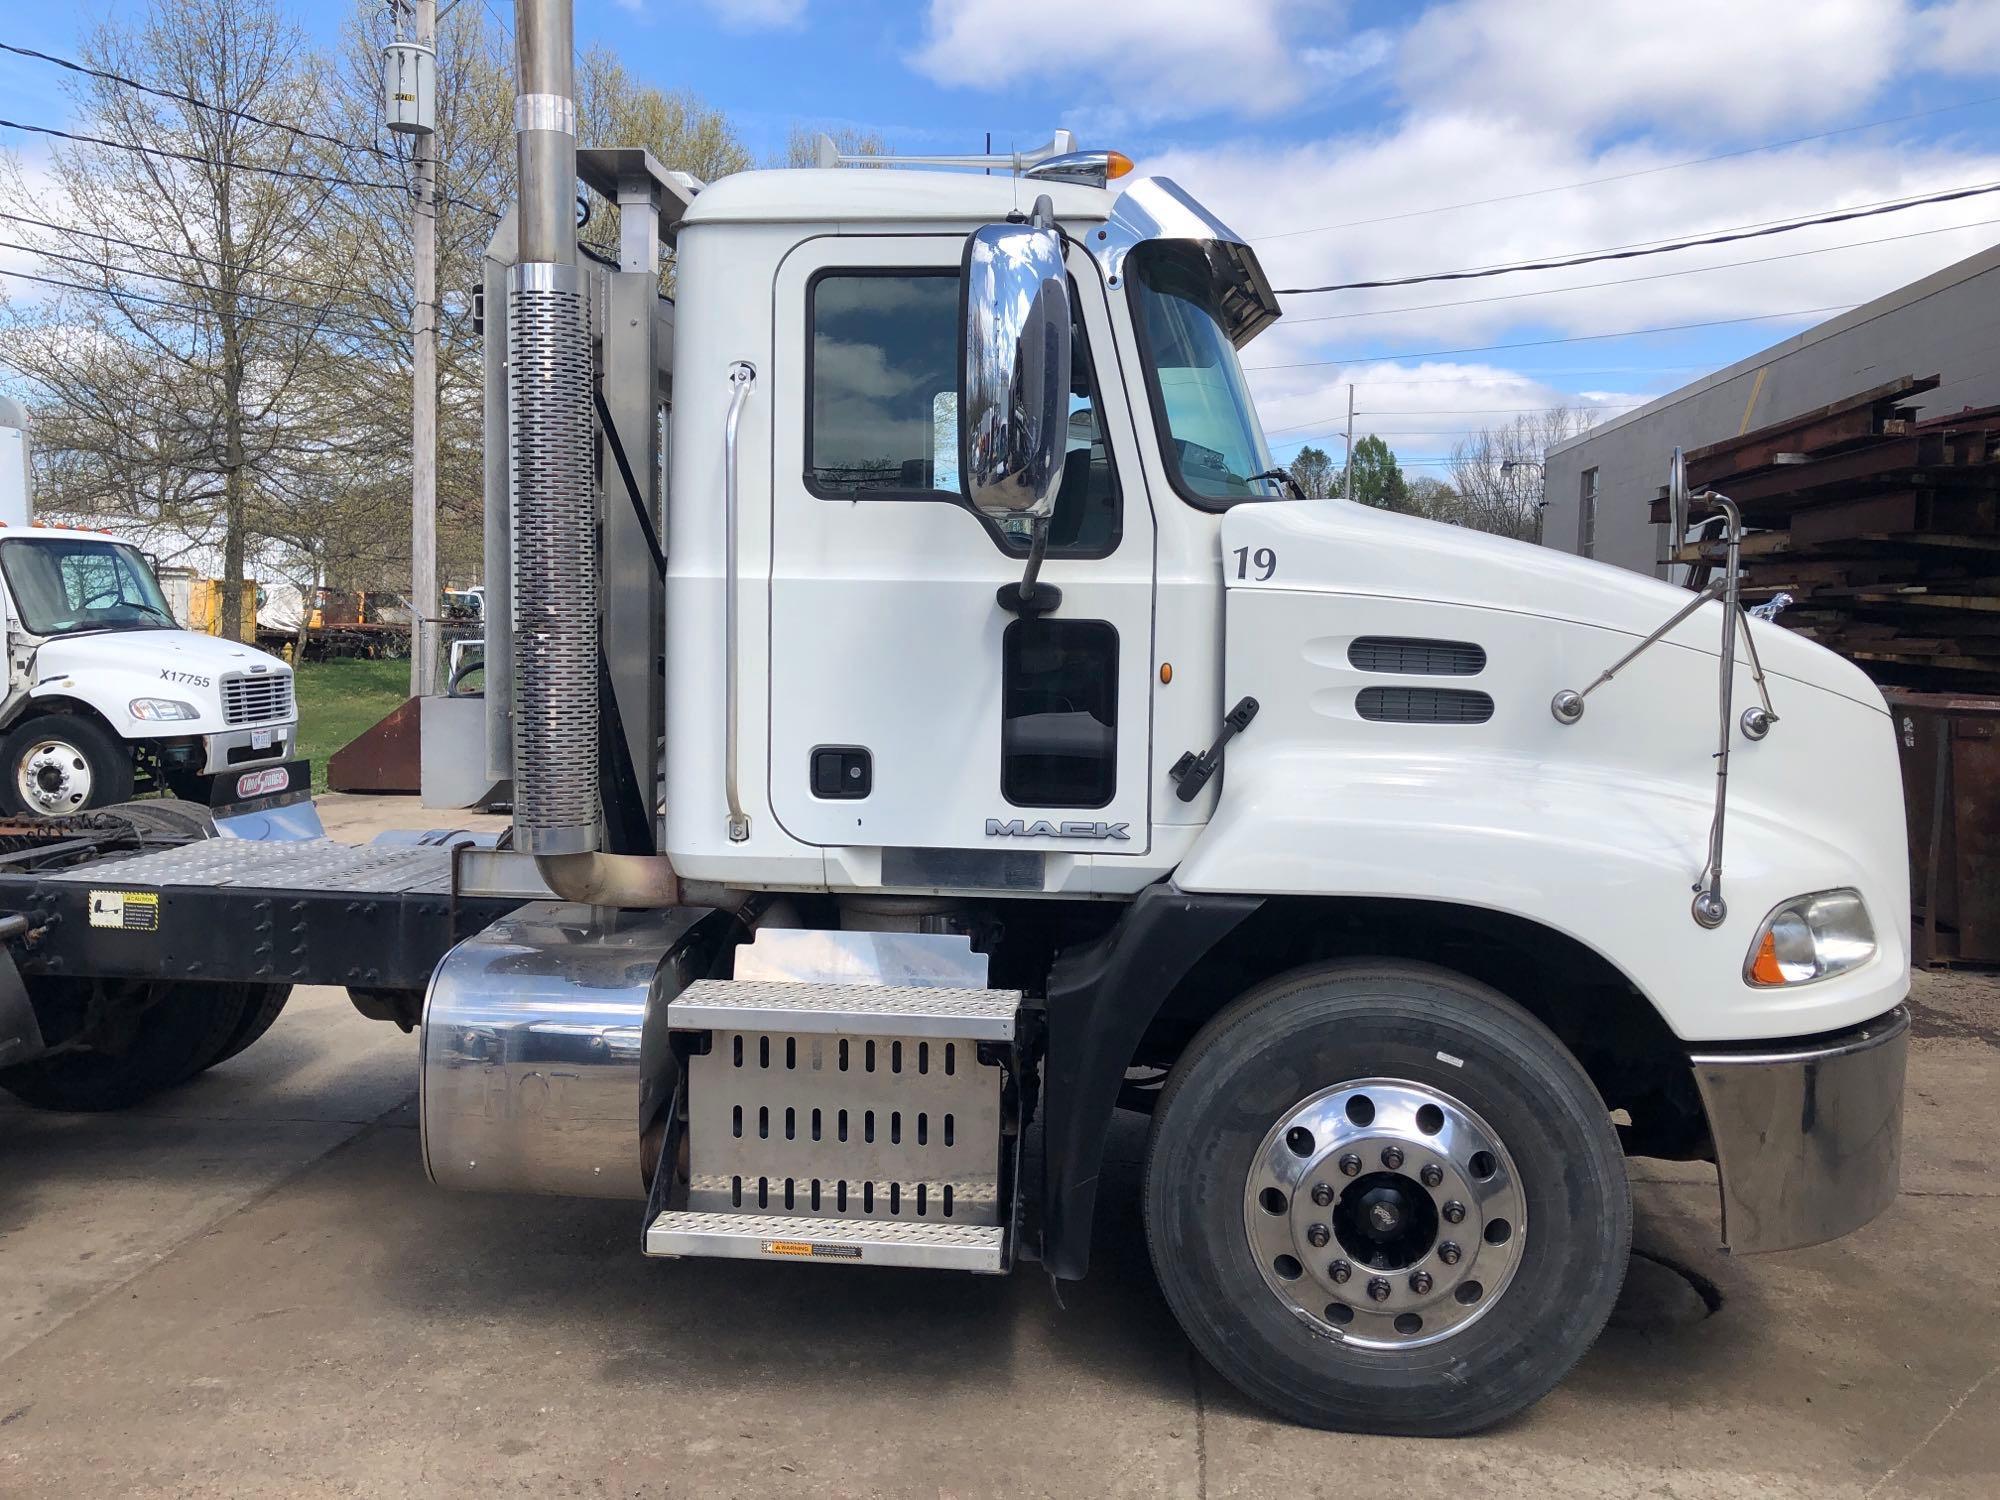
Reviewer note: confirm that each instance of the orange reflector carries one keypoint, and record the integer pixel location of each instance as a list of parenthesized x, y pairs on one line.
[(1764, 967), (1166, 671), (1116, 164)]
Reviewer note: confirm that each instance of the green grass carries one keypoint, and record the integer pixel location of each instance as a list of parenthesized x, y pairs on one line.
[(340, 699)]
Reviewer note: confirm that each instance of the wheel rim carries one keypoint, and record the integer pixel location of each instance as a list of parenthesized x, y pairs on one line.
[(1385, 1213), (53, 777)]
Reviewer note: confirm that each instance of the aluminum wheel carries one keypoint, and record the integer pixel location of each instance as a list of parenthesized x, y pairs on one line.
[(1385, 1213), (53, 778)]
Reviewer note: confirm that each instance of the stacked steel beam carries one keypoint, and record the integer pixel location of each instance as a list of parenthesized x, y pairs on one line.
[(1883, 528)]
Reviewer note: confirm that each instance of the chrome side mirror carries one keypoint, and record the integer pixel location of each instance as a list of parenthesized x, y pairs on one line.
[(1677, 500), (1013, 395)]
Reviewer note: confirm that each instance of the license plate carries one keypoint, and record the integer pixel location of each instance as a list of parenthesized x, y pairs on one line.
[(260, 739)]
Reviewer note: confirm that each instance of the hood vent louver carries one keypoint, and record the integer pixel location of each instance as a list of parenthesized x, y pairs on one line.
[(1410, 656), (1423, 705)]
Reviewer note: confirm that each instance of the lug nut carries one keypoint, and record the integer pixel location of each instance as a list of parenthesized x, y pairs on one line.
[(1318, 1236), (1454, 1212), (1340, 1270), (1433, 1175), (1449, 1253), (1322, 1193), (1378, 1290), (1392, 1157), (1350, 1165), (1420, 1282)]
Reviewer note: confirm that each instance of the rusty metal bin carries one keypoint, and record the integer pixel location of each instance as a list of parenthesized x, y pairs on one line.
[(1950, 748)]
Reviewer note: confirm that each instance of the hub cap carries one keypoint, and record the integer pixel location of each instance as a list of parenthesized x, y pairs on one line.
[(53, 778), (1385, 1213)]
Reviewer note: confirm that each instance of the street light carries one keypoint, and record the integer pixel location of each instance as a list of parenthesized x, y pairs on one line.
[(1508, 465)]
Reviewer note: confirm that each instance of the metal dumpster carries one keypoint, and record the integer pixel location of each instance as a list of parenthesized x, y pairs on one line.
[(1950, 748)]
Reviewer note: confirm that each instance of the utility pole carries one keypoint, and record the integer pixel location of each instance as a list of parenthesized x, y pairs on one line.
[(1348, 486), (423, 394)]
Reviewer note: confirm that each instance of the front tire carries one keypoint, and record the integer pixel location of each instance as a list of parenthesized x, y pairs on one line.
[(1382, 1197), (57, 764)]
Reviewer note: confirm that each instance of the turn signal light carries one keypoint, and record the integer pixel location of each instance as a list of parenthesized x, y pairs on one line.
[(1116, 164), (1764, 967)]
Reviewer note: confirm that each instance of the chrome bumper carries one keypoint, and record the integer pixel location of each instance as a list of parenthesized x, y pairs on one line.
[(216, 747), (1809, 1136)]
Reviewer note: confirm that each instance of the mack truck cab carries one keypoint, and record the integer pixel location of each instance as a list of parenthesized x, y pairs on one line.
[(932, 730)]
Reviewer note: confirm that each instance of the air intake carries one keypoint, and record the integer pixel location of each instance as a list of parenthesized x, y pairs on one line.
[(1415, 705), (1412, 657)]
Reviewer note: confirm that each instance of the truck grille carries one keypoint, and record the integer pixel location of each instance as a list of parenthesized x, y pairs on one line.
[(258, 699)]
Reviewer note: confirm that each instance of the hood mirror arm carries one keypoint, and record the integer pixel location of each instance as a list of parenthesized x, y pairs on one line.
[(1709, 909)]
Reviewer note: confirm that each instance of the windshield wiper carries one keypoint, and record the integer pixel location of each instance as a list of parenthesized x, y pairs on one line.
[(1280, 476)]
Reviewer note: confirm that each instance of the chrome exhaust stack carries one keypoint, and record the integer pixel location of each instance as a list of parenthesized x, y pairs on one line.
[(552, 439)]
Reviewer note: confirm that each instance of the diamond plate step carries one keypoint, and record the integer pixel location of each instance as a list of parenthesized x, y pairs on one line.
[(950, 1247), (845, 1009)]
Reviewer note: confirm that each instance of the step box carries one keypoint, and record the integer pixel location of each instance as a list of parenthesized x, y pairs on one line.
[(842, 1122), (943, 1247)]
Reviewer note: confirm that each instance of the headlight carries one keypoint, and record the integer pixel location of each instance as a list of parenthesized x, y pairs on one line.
[(1811, 937), (162, 708)]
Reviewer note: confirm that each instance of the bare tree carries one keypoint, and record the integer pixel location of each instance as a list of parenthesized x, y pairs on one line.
[(1315, 473), (170, 389), (1498, 472), (802, 144)]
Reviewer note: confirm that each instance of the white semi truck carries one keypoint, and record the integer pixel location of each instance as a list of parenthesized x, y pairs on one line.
[(105, 693), (958, 738)]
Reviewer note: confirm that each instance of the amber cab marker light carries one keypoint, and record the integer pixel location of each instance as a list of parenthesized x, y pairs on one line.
[(1764, 967), (1166, 672), (1116, 164)]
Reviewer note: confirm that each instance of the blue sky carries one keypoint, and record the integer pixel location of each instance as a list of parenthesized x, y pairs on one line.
[(1333, 133)]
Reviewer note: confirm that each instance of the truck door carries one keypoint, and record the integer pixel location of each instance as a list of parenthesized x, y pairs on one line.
[(910, 714)]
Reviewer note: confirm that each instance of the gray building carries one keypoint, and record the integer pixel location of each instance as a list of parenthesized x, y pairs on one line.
[(1598, 487)]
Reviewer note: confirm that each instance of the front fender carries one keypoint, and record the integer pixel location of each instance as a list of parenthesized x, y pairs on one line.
[(1608, 860)]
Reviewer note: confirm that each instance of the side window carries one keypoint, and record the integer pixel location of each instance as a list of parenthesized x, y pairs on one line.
[(882, 422), (1059, 713)]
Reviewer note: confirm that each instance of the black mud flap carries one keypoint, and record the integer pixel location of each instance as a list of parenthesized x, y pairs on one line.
[(20, 1033)]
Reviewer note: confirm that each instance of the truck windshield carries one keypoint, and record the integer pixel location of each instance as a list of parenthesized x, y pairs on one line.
[(67, 585), (1201, 403)]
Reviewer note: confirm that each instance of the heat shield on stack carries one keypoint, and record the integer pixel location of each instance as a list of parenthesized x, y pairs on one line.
[(555, 563)]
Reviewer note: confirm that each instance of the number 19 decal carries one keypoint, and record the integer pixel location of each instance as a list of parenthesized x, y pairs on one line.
[(1264, 560)]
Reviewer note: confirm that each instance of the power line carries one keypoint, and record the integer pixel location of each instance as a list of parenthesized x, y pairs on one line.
[(289, 277), (321, 309), (1578, 338), (289, 172), (1728, 265), (1564, 187), (122, 295), (198, 160), (179, 98), (1655, 248)]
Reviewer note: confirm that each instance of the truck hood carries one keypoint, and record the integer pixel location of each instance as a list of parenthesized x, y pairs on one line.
[(1337, 547), (148, 653)]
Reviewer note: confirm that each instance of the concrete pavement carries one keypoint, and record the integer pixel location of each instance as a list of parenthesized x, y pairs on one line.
[(248, 1287)]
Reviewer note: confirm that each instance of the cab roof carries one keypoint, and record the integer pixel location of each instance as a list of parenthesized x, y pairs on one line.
[(816, 195)]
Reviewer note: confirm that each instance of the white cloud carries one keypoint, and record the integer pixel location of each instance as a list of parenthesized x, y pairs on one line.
[(1442, 158), (751, 15), (1359, 55), (1142, 59), (1958, 36), (1701, 66)]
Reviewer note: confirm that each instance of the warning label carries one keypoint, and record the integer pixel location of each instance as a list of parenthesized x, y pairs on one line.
[(131, 911)]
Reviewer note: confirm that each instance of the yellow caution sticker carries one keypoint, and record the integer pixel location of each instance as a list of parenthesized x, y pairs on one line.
[(129, 911), (809, 1248)]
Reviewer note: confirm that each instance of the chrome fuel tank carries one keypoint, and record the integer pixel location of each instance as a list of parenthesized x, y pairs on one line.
[(535, 1075)]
